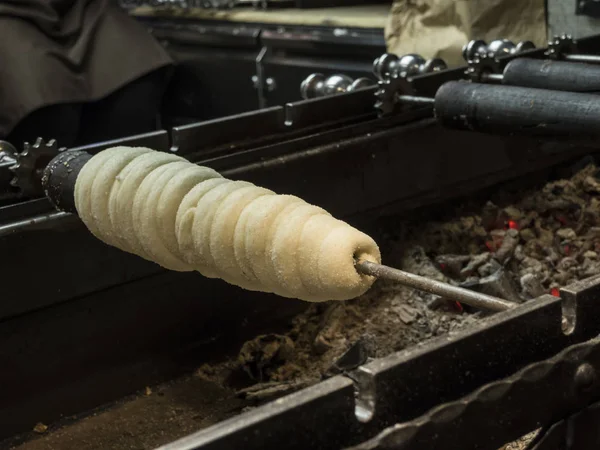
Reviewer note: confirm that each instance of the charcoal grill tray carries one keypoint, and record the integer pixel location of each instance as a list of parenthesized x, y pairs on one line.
[(130, 313), (75, 311), (405, 385)]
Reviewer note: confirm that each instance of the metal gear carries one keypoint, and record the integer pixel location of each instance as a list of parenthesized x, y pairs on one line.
[(482, 65), (7, 153), (30, 164), (389, 89), (561, 45)]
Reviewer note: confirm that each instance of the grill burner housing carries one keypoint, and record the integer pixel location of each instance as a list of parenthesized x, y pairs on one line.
[(533, 366)]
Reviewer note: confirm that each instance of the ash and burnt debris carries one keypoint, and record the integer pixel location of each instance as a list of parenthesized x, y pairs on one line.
[(547, 239), (517, 247)]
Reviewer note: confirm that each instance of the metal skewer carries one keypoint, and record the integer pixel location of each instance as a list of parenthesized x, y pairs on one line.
[(445, 290)]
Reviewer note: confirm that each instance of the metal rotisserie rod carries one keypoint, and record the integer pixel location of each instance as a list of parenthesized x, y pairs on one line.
[(445, 290), (59, 184), (553, 75), (514, 109), (592, 59)]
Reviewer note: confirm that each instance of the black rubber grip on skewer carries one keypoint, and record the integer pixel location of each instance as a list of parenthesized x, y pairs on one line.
[(500, 109), (60, 176), (553, 75)]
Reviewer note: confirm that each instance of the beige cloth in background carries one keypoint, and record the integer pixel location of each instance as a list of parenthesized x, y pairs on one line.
[(440, 28)]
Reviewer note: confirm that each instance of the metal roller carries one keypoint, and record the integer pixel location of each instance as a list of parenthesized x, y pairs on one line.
[(519, 110), (318, 85), (555, 75), (537, 73), (496, 48)]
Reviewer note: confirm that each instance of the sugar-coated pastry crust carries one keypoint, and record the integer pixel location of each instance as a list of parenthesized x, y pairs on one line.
[(186, 217)]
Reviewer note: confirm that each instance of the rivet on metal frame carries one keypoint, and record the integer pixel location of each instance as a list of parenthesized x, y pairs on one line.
[(569, 314), (585, 377), (364, 385)]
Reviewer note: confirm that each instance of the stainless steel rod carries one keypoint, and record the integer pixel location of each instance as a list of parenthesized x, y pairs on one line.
[(445, 290), (414, 100), (32, 222), (493, 77), (590, 59)]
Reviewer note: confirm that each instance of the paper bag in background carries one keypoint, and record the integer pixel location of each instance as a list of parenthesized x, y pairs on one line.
[(440, 28)]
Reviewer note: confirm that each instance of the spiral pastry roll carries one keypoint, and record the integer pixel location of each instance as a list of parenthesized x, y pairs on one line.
[(186, 217)]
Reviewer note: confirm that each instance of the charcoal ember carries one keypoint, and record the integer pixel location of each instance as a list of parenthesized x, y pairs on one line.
[(564, 277), (508, 246), (533, 266), (591, 184), (566, 234), (452, 265), (531, 286), (554, 197), (473, 225), (264, 354), (416, 261), (566, 264), (552, 256), (528, 220), (519, 254), (475, 263), (528, 235), (435, 302), (592, 211), (470, 280), (489, 268), (497, 237), (532, 263), (556, 204), (593, 233), (545, 237), (581, 246), (499, 284), (407, 314), (513, 213), (590, 265), (534, 249)]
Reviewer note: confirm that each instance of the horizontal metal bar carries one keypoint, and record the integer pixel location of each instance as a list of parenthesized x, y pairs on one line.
[(156, 140), (534, 396), (414, 100), (240, 128), (591, 59), (32, 222)]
